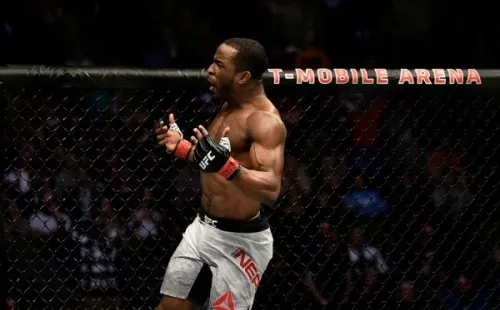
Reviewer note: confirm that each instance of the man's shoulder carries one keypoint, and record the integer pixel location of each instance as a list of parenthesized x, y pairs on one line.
[(264, 115), (371, 250), (38, 216), (264, 112), (264, 123)]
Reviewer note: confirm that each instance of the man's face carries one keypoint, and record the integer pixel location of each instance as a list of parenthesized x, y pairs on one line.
[(406, 290), (326, 229), (463, 284), (357, 236), (222, 72), (496, 255)]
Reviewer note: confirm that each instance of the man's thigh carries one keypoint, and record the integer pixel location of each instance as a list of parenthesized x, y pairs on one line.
[(237, 264), (187, 277)]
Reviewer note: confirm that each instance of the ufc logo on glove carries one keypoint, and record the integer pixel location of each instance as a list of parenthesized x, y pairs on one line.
[(206, 160), (215, 158)]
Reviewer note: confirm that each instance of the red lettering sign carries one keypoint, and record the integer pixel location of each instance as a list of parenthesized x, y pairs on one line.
[(248, 266)]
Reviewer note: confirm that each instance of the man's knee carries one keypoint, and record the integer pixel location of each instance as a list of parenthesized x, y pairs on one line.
[(159, 307), (171, 303)]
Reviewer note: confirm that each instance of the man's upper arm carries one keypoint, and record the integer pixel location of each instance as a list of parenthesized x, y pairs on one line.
[(268, 135)]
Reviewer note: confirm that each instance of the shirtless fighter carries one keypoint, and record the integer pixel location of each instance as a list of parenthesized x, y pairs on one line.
[(226, 249)]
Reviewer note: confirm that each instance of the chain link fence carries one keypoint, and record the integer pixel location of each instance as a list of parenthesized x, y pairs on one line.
[(389, 196)]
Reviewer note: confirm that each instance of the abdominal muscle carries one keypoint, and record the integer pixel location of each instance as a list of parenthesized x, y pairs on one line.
[(222, 199)]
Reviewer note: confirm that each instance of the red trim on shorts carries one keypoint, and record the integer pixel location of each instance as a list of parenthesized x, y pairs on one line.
[(182, 149), (229, 168)]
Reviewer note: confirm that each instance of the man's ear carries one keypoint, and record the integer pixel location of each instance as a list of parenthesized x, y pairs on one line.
[(244, 77)]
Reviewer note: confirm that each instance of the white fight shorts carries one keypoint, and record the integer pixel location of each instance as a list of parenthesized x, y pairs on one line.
[(220, 260)]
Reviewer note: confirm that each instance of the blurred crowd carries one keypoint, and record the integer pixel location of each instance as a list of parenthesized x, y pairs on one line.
[(388, 197)]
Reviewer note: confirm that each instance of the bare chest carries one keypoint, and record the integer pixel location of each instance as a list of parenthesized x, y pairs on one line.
[(237, 132)]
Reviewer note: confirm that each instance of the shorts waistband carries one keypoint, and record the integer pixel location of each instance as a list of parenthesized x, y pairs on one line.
[(258, 224)]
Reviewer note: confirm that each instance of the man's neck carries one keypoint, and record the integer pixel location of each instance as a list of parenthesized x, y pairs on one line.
[(246, 96)]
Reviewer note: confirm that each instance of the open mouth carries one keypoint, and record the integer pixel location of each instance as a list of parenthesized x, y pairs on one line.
[(211, 83)]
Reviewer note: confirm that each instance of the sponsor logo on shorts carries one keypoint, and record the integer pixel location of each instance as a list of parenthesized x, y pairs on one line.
[(225, 302), (210, 222), (248, 265)]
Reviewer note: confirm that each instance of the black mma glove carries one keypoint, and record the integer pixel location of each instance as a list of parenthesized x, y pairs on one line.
[(215, 158)]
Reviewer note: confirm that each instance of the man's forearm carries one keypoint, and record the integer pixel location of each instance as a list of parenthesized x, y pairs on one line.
[(259, 185), (311, 285)]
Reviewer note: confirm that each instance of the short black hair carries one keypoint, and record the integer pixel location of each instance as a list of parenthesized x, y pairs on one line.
[(251, 56)]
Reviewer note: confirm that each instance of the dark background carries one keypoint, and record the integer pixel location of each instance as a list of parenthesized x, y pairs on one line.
[(397, 33), (405, 177)]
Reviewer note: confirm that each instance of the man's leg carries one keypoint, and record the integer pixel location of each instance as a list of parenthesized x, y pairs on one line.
[(171, 303), (239, 262), (186, 304), (185, 281)]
